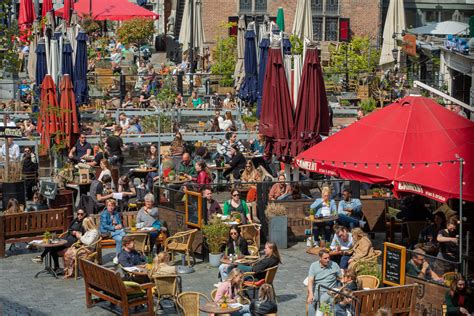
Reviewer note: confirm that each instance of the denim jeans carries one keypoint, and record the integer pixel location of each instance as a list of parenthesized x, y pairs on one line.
[(344, 263), (347, 221), (117, 236), (223, 270), (245, 311), (325, 298)]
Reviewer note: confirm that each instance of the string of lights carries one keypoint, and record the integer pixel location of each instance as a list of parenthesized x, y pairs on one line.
[(389, 165)]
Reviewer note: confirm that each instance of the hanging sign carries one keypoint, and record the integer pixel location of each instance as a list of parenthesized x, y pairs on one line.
[(10, 131)]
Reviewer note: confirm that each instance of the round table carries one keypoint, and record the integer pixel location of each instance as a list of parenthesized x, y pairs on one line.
[(47, 260), (129, 230), (215, 308), (247, 260), (142, 172), (176, 182)]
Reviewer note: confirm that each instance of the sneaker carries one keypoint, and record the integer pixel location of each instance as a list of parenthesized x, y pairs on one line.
[(115, 260), (37, 259)]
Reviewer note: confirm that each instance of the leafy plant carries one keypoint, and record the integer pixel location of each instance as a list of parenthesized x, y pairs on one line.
[(47, 235), (369, 268), (215, 232), (368, 105), (325, 308), (149, 124), (225, 57), (136, 31), (296, 45), (167, 93), (274, 209), (9, 43), (89, 25)]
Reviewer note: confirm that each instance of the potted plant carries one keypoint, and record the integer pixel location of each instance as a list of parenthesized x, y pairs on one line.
[(47, 237), (325, 308), (311, 214), (277, 224), (215, 233), (133, 225), (171, 175)]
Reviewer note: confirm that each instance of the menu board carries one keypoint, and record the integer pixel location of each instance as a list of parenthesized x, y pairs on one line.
[(193, 209), (394, 261), (49, 189)]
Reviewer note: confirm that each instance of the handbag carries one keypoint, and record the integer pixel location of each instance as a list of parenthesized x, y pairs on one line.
[(156, 224)]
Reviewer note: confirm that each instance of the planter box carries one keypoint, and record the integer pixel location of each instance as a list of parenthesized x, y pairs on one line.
[(278, 231)]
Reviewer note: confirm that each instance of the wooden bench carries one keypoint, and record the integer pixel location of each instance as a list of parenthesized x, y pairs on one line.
[(28, 226), (108, 243), (398, 299), (107, 285)]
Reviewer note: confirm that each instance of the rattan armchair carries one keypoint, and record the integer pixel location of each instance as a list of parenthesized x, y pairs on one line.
[(189, 303), (142, 242), (167, 286), (181, 242), (368, 282), (251, 233), (249, 281)]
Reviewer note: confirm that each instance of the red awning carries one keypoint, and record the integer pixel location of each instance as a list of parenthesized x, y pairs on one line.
[(116, 10), (413, 143)]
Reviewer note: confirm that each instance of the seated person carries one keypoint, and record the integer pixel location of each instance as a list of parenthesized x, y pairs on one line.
[(80, 150), (349, 210), (230, 141), (161, 266), (236, 245), (419, 267), (98, 156), (343, 303), (229, 289), (362, 250), (203, 175), (294, 194), (250, 174), (349, 281), (186, 167), (279, 189), (111, 226), (38, 203), (270, 259), (210, 205), (266, 303), (100, 190), (129, 257), (128, 191), (459, 298), (324, 207), (236, 164), (148, 217), (235, 204), (430, 233), (341, 243)]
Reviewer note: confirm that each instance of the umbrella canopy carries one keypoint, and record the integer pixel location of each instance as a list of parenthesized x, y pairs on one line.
[(31, 66), (41, 65), (117, 10), (67, 67), (239, 72), (296, 78), (280, 20), (442, 28), (248, 89), (68, 6), (312, 114), (80, 70), (54, 60), (303, 23), (264, 45), (276, 118), (408, 143), (394, 24), (48, 121), (69, 118), (47, 6), (198, 30), (27, 12)]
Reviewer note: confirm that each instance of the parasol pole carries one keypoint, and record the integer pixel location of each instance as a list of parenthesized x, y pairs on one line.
[(7, 154), (461, 167)]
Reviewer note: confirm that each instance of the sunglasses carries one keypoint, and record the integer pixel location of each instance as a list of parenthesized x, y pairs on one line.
[(234, 233), (82, 214), (235, 194)]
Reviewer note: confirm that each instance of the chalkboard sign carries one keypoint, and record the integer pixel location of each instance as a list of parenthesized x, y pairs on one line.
[(394, 261), (193, 209), (49, 189), (10, 131)]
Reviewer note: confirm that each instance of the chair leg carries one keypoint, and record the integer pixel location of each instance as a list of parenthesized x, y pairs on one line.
[(75, 269)]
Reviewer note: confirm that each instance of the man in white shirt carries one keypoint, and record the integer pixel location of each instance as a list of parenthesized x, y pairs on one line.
[(340, 245), (9, 122), (13, 150)]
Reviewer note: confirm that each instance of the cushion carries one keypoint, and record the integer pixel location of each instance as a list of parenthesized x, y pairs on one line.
[(258, 283), (133, 289)]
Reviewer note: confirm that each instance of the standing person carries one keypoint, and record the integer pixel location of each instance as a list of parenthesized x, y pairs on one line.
[(350, 210), (29, 165), (211, 206), (266, 303), (13, 150), (111, 225), (236, 164), (459, 298), (81, 149), (324, 207), (235, 204), (323, 272), (236, 244), (115, 145), (448, 241)]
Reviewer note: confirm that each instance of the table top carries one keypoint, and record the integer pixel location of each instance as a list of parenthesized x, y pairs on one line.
[(147, 231), (215, 308), (143, 170), (53, 244), (137, 270), (247, 260), (211, 167), (167, 181), (322, 219)]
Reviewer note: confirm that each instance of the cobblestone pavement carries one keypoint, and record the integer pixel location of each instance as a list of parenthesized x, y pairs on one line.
[(22, 294)]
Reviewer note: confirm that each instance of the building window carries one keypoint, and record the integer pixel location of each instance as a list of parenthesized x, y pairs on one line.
[(317, 28), (261, 5), (331, 29), (325, 19), (332, 7), (245, 6), (317, 6), (252, 6)]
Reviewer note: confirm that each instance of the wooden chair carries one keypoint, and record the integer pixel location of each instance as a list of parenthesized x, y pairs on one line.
[(368, 282), (181, 242), (449, 277), (189, 302), (256, 284), (90, 257), (167, 287), (142, 242), (108, 285), (398, 299), (251, 233)]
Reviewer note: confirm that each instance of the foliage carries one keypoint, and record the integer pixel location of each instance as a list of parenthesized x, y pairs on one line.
[(216, 233), (137, 30), (90, 26), (167, 93), (9, 43), (361, 57), (274, 209), (250, 116), (225, 57), (369, 268), (325, 308), (149, 124), (296, 45), (368, 105)]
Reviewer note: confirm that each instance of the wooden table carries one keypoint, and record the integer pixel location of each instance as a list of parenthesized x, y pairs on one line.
[(142, 172), (320, 220), (247, 260), (215, 308), (137, 270), (129, 230), (48, 269), (167, 181)]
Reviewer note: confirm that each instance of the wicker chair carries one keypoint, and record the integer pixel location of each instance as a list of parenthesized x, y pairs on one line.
[(368, 282), (90, 257), (167, 286), (449, 277), (253, 250), (141, 242), (249, 281), (181, 242), (251, 233), (189, 302)]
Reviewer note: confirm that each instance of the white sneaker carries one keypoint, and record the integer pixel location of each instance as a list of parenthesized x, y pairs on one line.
[(115, 260), (362, 224)]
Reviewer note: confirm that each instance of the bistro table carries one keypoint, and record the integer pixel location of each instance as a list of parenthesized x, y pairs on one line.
[(219, 173), (48, 260), (145, 230), (142, 172), (215, 308), (320, 220), (247, 260)]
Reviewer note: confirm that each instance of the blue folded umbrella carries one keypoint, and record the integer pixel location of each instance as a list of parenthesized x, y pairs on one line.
[(81, 88), (264, 45), (248, 89), (67, 67)]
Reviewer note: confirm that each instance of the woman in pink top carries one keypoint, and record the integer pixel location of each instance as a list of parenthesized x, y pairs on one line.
[(230, 289), (203, 175)]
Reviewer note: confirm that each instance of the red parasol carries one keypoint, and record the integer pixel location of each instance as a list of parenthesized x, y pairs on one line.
[(312, 114), (413, 143), (69, 120), (27, 12), (48, 121), (276, 118), (47, 6), (68, 5)]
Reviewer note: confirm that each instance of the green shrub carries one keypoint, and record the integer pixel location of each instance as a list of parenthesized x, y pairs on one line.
[(216, 233), (368, 105)]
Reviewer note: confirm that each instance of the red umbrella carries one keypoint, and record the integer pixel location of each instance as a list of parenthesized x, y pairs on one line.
[(47, 6), (312, 114), (276, 118), (413, 141), (48, 122), (69, 120), (68, 5), (27, 12)]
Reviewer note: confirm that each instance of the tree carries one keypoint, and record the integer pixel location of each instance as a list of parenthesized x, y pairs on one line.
[(225, 57), (136, 31), (361, 57), (9, 43)]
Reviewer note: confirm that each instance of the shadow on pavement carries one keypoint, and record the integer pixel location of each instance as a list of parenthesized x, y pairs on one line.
[(8, 307)]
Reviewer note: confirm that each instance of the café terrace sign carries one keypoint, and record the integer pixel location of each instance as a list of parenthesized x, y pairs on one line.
[(10, 132)]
